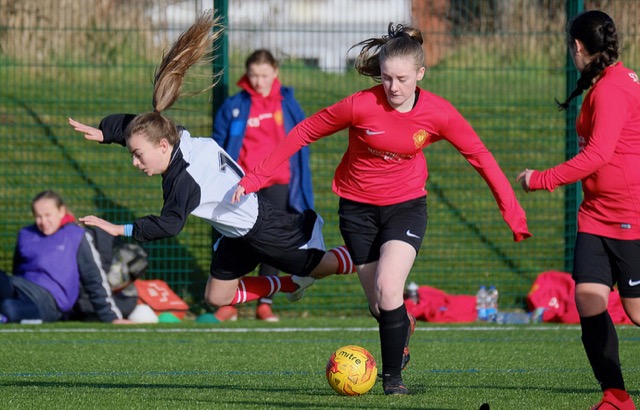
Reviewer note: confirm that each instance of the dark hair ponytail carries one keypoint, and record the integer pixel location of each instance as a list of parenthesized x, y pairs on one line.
[(401, 41), (597, 32)]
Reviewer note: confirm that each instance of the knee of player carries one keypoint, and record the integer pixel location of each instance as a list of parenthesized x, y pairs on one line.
[(215, 301), (634, 316)]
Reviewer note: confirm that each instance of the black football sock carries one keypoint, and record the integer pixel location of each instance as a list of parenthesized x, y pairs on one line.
[(600, 342), (394, 326), (377, 318)]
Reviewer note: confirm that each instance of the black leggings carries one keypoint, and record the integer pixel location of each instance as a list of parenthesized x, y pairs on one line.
[(14, 304)]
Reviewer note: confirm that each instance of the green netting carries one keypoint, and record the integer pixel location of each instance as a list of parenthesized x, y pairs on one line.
[(501, 63)]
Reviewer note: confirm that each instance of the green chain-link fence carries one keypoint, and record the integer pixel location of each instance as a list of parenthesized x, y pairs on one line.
[(500, 62)]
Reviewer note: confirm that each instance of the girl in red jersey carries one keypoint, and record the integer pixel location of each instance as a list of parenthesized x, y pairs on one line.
[(607, 249), (381, 178)]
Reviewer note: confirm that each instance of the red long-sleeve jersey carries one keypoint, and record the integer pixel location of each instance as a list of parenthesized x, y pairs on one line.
[(608, 163), (384, 163)]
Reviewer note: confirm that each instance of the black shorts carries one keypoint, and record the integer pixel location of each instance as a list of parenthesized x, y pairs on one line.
[(365, 228), (608, 261), (290, 242)]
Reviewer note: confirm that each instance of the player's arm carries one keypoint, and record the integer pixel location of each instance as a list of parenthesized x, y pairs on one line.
[(111, 129), (112, 229), (182, 198), (90, 133), (462, 136), (324, 123), (607, 122)]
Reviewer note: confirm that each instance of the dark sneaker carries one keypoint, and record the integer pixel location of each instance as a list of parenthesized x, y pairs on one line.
[(394, 385), (406, 357)]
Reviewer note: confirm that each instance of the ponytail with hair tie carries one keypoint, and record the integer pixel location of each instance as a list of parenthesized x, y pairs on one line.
[(397, 31)]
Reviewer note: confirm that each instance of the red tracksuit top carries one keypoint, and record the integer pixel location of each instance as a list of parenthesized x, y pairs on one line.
[(384, 163), (264, 130), (608, 163)]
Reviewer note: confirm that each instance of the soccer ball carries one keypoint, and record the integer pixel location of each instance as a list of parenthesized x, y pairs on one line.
[(351, 371)]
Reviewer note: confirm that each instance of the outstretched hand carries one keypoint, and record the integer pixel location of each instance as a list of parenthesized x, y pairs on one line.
[(524, 178), (115, 230), (90, 133), (237, 194)]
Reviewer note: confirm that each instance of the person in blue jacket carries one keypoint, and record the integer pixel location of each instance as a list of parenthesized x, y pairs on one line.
[(53, 259), (248, 126)]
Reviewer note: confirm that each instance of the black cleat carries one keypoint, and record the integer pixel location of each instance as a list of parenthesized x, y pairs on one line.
[(393, 385)]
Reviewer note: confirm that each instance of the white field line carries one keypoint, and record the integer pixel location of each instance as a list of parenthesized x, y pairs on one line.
[(125, 329)]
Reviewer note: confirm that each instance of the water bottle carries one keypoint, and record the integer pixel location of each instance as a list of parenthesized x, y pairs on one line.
[(537, 316), (412, 292), (513, 318), (481, 303), (492, 304), (519, 318)]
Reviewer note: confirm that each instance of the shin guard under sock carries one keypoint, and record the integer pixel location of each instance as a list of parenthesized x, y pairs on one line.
[(600, 342), (345, 263), (253, 288), (394, 325)]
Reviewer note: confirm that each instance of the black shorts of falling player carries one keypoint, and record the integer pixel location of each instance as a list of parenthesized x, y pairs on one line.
[(290, 242)]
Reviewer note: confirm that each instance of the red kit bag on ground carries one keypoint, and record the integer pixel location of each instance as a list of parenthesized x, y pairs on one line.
[(159, 296), (434, 305), (555, 291)]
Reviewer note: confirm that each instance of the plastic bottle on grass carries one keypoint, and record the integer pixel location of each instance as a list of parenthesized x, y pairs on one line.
[(412, 292), (492, 304), (481, 303), (518, 318), (513, 318)]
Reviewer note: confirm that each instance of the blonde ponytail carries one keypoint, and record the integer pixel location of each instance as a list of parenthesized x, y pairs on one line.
[(193, 46)]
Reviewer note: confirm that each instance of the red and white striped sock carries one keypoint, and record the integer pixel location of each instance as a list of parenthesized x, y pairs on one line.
[(253, 288), (345, 264)]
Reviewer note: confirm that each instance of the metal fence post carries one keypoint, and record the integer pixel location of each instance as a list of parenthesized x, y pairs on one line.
[(221, 61), (572, 192)]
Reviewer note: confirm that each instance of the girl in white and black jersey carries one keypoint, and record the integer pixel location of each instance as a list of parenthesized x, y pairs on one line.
[(199, 178)]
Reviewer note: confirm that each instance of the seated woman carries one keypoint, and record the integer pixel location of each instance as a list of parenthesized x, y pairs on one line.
[(53, 258)]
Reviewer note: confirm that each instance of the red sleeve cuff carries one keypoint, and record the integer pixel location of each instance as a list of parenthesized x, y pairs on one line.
[(520, 236), (249, 184), (536, 182)]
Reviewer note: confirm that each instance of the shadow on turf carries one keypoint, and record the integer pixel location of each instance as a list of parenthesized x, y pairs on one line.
[(519, 388), (416, 391), (294, 402)]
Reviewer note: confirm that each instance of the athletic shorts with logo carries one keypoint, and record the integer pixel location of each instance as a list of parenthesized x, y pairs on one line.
[(290, 242), (365, 227), (608, 261)]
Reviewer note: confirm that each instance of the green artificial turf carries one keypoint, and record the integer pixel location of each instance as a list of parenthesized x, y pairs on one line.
[(253, 365)]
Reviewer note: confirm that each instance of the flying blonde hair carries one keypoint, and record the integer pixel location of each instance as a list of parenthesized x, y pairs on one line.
[(195, 45)]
